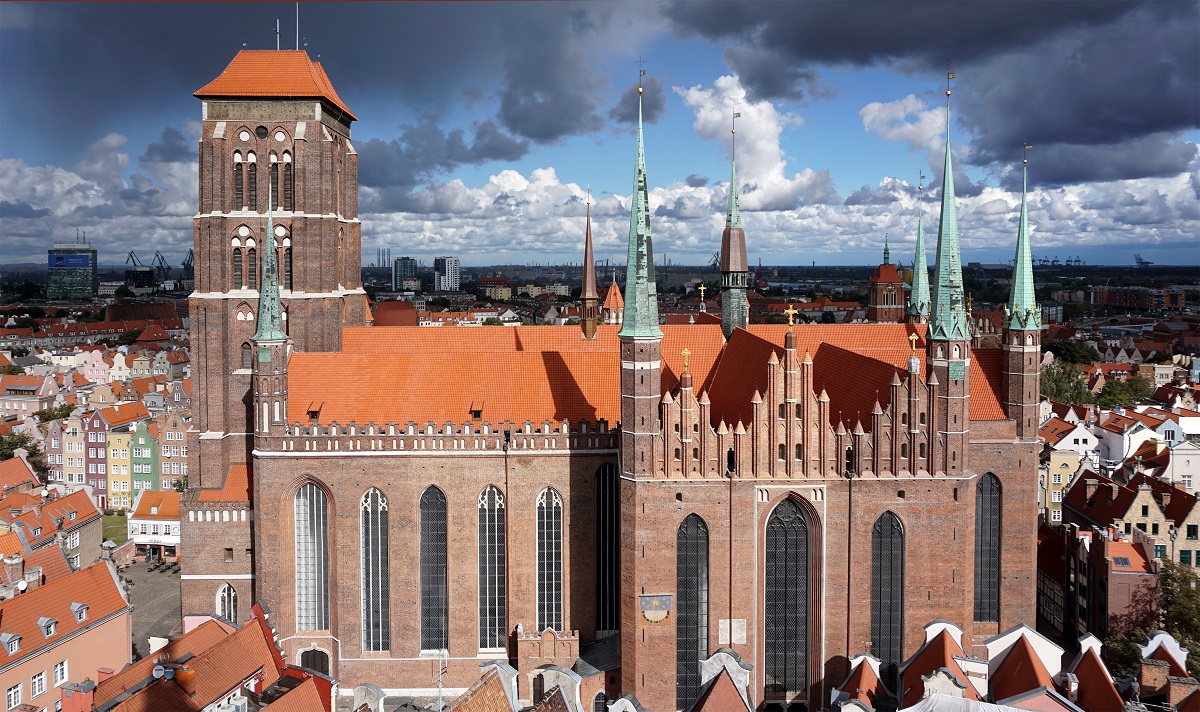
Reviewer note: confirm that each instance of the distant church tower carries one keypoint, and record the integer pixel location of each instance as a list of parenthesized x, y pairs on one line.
[(589, 296), (1023, 332), (918, 296), (885, 292), (273, 131), (734, 268)]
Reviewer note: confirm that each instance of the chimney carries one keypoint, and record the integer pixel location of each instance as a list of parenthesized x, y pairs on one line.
[(1166, 499), (14, 568), (1112, 497), (78, 697), (104, 673), (33, 577), (185, 677), (1070, 685), (1090, 488)]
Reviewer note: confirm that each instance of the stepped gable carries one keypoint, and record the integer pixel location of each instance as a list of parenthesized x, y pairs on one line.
[(260, 73)]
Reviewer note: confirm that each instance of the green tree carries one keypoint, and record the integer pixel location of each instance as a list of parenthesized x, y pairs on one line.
[(10, 443), (11, 370), (828, 318), (1172, 605), (1064, 383), (493, 321), (124, 291), (1072, 351), (129, 337), (1132, 391), (55, 413)]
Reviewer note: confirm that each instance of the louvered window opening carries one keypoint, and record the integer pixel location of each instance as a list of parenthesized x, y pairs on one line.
[(239, 202), (887, 596), (287, 268), (317, 660), (312, 559), (227, 606), (691, 608), (375, 581), (786, 626), (239, 280), (251, 185), (549, 561), (435, 610), (288, 190), (492, 571), (608, 551), (987, 549), (274, 192), (252, 267)]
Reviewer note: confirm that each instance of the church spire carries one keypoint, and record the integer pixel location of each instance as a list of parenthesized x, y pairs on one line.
[(918, 300), (948, 321), (887, 254), (641, 294), (1022, 313), (270, 311), (589, 295), (734, 270)]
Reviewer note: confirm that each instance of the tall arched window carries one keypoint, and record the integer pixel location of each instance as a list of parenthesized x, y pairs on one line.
[(608, 550), (549, 561), (691, 608), (375, 588), (600, 702), (238, 182), (288, 192), (987, 549), (274, 178), (251, 182), (786, 628), (435, 610), (887, 595), (312, 558), (252, 268), (237, 281), (227, 606), (493, 603), (287, 267), (247, 355)]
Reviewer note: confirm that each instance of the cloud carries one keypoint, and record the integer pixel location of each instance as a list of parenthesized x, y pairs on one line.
[(696, 181), (171, 147), (765, 78), (762, 168), (654, 102), (890, 121), (10, 209)]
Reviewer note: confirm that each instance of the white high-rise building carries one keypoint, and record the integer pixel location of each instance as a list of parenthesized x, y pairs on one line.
[(445, 274)]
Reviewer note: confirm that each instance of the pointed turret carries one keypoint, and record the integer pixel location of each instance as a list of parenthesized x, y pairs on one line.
[(948, 321), (734, 267), (268, 380), (589, 296), (641, 294), (918, 298), (270, 311), (887, 252), (1023, 313)]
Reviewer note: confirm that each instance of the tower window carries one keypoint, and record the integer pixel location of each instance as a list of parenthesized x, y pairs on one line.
[(247, 361), (239, 195), (987, 549), (608, 550), (274, 177), (288, 190), (549, 561), (376, 598), (435, 619), (786, 600), (287, 268), (312, 558), (887, 595), (251, 183), (237, 282), (252, 265), (492, 563), (691, 631)]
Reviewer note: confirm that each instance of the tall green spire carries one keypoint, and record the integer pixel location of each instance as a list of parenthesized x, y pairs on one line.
[(918, 299), (270, 312), (887, 253), (948, 321), (1023, 313), (641, 294)]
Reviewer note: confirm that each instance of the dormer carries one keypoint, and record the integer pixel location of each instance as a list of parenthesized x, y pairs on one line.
[(79, 610), (11, 642), (48, 626)]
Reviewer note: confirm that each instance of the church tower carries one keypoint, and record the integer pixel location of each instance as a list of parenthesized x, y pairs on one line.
[(1022, 331), (273, 130), (918, 296), (589, 296), (269, 347), (948, 339), (885, 292), (641, 395), (734, 269)]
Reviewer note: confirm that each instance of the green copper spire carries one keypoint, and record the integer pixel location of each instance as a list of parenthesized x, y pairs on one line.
[(270, 312), (918, 298), (948, 322), (641, 294), (887, 254), (1023, 313)]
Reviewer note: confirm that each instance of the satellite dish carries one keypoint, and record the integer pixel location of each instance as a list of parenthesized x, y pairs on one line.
[(45, 492), (158, 671), (22, 585), (169, 674)]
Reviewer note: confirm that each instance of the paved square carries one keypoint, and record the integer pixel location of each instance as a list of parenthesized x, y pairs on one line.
[(156, 608)]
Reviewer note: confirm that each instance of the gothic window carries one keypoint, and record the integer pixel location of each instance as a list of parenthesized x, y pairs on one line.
[(375, 587), (312, 558), (252, 268), (288, 188), (730, 461), (492, 568), (435, 610), (691, 625), (227, 606), (786, 594), (921, 450), (539, 689), (316, 660), (887, 595), (608, 548), (549, 561), (287, 268), (904, 451), (247, 355), (251, 182), (849, 460), (274, 181), (600, 702), (238, 281), (238, 182), (987, 549)]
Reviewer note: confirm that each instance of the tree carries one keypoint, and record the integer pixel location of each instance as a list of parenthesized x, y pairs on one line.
[(1131, 391), (828, 318), (493, 321), (124, 291), (129, 337), (10, 443), (1172, 605), (54, 413), (181, 484), (1063, 383), (12, 370), (1072, 351)]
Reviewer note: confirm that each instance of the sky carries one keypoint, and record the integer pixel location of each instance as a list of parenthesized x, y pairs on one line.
[(482, 125)]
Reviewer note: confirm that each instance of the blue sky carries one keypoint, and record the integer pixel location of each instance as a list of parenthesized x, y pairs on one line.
[(482, 124)]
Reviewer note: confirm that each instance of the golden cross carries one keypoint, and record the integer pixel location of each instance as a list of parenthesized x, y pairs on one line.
[(913, 339), (701, 291), (791, 312), (970, 301), (685, 353)]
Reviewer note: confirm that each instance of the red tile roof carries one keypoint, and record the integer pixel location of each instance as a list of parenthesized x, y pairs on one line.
[(886, 273), (51, 558), (864, 685), (273, 73), (721, 696), (194, 642), (157, 505), (1055, 430), (487, 695), (1096, 690), (1104, 506), (153, 332), (395, 314), (935, 654), (15, 471), (1021, 670), (124, 414), (238, 487), (1134, 553), (1175, 669), (304, 697)]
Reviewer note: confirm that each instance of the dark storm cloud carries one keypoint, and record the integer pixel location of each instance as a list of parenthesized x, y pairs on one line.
[(695, 181), (654, 102), (872, 195), (764, 77), (171, 147), (1156, 156), (11, 209), (424, 149)]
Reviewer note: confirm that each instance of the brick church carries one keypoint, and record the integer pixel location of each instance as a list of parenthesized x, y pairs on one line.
[(616, 502)]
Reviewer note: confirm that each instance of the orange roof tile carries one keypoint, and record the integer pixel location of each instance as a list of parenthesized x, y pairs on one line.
[(614, 299), (96, 587), (1020, 671), (51, 559), (238, 487), (1105, 505), (15, 471), (886, 274), (153, 332), (863, 684), (124, 414), (487, 695), (935, 654), (1096, 690), (1174, 668), (195, 641), (721, 696), (1138, 563), (304, 697), (157, 505), (1055, 430), (273, 73)]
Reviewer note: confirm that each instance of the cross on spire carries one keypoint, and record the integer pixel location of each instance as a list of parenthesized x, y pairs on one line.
[(685, 353), (791, 312)]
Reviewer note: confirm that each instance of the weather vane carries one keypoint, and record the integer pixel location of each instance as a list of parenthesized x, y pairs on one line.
[(589, 193), (1025, 152), (640, 62), (733, 132)]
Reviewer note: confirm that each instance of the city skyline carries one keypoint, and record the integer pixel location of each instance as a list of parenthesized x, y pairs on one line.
[(487, 151)]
